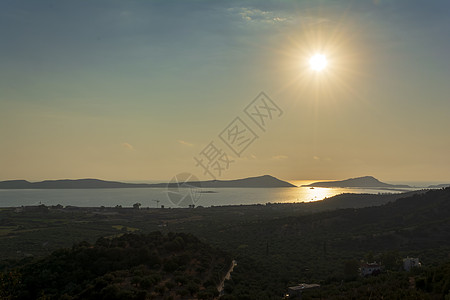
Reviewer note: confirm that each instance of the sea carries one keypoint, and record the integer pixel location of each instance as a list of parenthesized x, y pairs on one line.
[(174, 198)]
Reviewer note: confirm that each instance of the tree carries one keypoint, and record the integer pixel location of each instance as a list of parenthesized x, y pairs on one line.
[(391, 260), (351, 269), (370, 257), (137, 205)]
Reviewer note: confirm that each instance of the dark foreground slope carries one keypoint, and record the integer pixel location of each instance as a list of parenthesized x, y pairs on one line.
[(276, 245), (152, 266), (318, 248)]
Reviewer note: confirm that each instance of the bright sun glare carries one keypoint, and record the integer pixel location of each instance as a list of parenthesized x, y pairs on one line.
[(318, 62)]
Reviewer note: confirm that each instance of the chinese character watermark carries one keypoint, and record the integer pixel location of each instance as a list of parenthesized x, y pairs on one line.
[(238, 136), (213, 160), (262, 110), (184, 189)]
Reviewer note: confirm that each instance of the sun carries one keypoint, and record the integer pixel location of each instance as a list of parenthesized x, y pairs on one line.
[(318, 62)]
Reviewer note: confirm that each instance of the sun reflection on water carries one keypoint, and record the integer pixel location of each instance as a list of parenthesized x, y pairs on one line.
[(316, 194), (308, 194)]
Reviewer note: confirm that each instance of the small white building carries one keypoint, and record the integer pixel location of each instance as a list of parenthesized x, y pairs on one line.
[(411, 262), (368, 269), (295, 292)]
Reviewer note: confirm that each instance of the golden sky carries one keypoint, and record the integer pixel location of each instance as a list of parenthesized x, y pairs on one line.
[(133, 90)]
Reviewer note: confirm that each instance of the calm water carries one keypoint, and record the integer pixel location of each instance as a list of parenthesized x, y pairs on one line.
[(147, 196)]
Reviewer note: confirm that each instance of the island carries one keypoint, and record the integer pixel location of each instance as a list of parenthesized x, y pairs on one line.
[(439, 186), (358, 182), (265, 181)]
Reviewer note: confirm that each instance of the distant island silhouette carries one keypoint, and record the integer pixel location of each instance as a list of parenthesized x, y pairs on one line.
[(265, 181), (253, 182), (358, 182), (439, 186)]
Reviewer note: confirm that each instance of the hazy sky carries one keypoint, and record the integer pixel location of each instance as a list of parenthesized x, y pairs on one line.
[(134, 90)]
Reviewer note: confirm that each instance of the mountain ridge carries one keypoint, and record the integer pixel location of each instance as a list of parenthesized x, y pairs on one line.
[(439, 186), (264, 181), (357, 182)]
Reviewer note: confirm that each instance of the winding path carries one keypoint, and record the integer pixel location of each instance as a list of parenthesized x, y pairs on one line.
[(226, 277)]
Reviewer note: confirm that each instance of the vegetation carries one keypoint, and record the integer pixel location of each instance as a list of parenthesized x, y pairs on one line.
[(131, 266), (275, 245), (325, 247), (423, 283)]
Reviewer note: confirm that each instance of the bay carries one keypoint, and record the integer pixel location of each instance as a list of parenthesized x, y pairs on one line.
[(155, 197)]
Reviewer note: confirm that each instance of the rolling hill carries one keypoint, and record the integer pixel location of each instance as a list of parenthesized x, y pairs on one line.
[(265, 181), (358, 182)]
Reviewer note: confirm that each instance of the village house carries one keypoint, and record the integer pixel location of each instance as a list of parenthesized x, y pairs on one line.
[(368, 269), (295, 292), (410, 262)]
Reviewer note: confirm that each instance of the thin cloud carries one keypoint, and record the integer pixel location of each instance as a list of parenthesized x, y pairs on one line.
[(185, 143), (244, 157), (280, 157), (128, 146), (258, 16)]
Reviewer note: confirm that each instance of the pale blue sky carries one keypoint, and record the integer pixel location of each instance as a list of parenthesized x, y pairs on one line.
[(133, 90)]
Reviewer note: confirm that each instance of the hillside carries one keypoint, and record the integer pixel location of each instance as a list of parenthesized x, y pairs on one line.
[(152, 266), (275, 245), (359, 182), (350, 200), (316, 248), (439, 186), (265, 181), (68, 184)]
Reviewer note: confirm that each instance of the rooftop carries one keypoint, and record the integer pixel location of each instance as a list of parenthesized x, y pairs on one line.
[(304, 286)]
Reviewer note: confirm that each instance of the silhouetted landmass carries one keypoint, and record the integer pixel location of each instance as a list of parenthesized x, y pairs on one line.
[(315, 248), (251, 182), (359, 182), (265, 181), (277, 245), (439, 186), (132, 266), (350, 200), (15, 184), (68, 184), (426, 283), (30, 228)]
